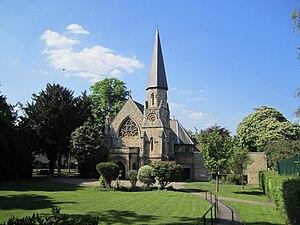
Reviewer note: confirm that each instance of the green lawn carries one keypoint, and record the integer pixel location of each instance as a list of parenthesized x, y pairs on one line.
[(20, 198), (257, 215), (251, 192), (250, 213)]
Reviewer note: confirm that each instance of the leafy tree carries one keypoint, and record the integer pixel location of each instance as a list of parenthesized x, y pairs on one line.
[(15, 158), (167, 172), (264, 125), (281, 149), (108, 96), (109, 171), (87, 145), (216, 146), (146, 175), (239, 161), (53, 115)]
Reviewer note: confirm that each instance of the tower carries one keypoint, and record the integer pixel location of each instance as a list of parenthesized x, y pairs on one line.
[(156, 121)]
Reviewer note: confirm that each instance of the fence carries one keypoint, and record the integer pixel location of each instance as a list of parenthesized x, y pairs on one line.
[(289, 166)]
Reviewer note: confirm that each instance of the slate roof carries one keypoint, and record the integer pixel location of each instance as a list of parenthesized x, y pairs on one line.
[(182, 136), (157, 75)]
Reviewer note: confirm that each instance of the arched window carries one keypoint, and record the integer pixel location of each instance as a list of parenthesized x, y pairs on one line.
[(128, 128), (151, 143), (152, 99)]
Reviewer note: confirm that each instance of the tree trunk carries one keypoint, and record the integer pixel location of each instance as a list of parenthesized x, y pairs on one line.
[(217, 182), (59, 163), (242, 181), (51, 166)]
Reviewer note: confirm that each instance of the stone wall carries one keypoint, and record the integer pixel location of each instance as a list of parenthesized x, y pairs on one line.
[(259, 163)]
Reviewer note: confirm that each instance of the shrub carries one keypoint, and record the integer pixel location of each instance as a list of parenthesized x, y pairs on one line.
[(102, 182), (55, 218), (284, 191), (146, 175), (233, 179), (132, 174), (167, 172), (109, 171)]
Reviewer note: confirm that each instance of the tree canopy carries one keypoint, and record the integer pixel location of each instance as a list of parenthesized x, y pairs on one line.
[(53, 115), (216, 146), (108, 97), (15, 158), (265, 124)]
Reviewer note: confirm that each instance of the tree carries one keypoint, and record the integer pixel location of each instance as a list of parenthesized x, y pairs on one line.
[(87, 145), (297, 94), (53, 115), (15, 158), (240, 160), (108, 97), (216, 146), (264, 125), (167, 172), (281, 149), (109, 171), (132, 175), (146, 175)]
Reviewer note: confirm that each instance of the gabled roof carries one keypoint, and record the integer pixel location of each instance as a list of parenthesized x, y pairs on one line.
[(182, 136), (157, 75), (140, 106)]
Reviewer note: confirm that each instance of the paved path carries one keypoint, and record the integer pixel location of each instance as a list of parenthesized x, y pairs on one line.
[(225, 213)]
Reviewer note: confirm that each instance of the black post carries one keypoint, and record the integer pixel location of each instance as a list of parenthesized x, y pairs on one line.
[(211, 216)]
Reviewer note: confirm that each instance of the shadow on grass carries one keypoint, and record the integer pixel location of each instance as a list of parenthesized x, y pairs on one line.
[(110, 217), (256, 193), (27, 202), (37, 184)]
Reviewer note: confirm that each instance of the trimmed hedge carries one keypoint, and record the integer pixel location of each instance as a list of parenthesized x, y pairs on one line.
[(284, 191)]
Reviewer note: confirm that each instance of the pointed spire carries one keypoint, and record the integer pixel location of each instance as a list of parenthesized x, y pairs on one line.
[(157, 75)]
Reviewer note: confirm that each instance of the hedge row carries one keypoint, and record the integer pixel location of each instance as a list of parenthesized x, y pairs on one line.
[(284, 191)]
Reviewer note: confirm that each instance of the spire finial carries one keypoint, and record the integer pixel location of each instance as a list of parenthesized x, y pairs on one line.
[(157, 26)]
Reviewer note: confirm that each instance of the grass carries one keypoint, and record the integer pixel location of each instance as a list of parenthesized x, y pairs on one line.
[(252, 214), (257, 215), (251, 192), (20, 198)]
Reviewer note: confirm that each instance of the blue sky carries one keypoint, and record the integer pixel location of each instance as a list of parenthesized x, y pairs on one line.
[(222, 58)]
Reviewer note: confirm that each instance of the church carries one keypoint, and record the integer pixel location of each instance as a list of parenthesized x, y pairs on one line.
[(142, 134)]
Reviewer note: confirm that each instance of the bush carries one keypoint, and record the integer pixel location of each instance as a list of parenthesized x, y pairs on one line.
[(132, 174), (167, 172), (146, 175), (55, 218), (102, 182), (284, 191), (109, 171), (233, 179)]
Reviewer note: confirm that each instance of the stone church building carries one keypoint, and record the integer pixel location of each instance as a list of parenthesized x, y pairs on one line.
[(141, 134)]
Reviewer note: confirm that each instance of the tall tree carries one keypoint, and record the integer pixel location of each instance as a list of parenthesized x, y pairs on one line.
[(265, 124), (87, 145), (216, 146), (15, 158), (108, 97), (240, 160), (53, 116), (281, 149)]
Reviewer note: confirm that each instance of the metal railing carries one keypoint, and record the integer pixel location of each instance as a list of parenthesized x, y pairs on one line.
[(212, 217)]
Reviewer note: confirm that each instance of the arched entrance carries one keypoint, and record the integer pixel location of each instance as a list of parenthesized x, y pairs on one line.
[(122, 169)]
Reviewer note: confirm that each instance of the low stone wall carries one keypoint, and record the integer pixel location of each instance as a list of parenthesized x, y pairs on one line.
[(259, 163)]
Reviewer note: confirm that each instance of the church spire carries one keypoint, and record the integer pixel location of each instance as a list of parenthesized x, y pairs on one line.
[(157, 75)]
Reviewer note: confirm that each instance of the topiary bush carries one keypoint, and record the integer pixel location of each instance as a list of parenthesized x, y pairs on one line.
[(146, 175), (109, 171)]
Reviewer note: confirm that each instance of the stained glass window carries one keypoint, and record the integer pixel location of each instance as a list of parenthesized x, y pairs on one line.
[(128, 128)]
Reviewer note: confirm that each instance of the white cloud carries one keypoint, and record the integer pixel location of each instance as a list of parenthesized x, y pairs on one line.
[(77, 29), (54, 39), (94, 63)]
